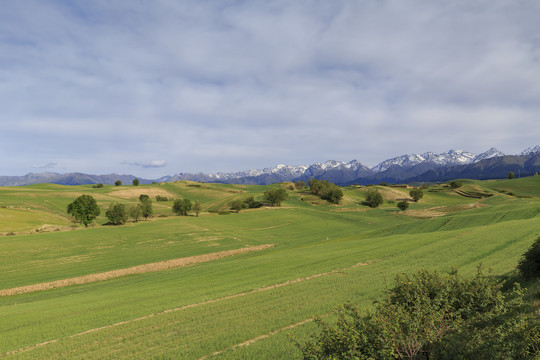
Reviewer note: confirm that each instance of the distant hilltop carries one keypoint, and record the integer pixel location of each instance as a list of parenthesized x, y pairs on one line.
[(426, 167)]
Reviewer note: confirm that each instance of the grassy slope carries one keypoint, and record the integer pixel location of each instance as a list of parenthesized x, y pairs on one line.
[(223, 307)]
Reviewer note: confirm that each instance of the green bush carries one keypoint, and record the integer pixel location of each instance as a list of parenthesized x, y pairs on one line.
[(430, 316), (374, 198), (403, 205), (529, 265), (117, 214)]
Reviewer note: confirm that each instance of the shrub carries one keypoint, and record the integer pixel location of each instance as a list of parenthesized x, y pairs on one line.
[(455, 184), (181, 207), (430, 316), (416, 194), (117, 214), (373, 198), (98, 186), (161, 198), (529, 265), (403, 205), (252, 203)]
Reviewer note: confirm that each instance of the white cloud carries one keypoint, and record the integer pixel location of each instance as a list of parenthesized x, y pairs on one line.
[(228, 85), (149, 164)]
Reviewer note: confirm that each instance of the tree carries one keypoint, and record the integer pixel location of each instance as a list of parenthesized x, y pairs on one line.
[(84, 209), (299, 185), (146, 207), (117, 214), (374, 198), (430, 316), (117, 183), (197, 208), (238, 205), (416, 194), (275, 196), (529, 264), (403, 205), (135, 212), (181, 207), (454, 184), (511, 175), (135, 182), (143, 197)]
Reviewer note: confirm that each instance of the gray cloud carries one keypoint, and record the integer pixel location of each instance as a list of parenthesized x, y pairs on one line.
[(231, 85), (149, 164)]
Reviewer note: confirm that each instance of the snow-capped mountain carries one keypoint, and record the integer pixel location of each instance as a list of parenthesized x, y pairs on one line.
[(530, 150), (452, 157), (488, 155), (413, 168)]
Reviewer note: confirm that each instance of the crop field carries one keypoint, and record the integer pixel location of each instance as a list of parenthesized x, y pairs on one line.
[(236, 286)]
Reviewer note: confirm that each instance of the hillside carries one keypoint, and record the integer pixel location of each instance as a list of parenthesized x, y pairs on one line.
[(231, 286)]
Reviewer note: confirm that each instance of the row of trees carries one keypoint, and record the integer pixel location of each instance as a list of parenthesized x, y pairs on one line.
[(85, 209)]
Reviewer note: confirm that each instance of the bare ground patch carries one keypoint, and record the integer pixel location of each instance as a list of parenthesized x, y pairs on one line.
[(298, 280), (139, 269), (136, 192)]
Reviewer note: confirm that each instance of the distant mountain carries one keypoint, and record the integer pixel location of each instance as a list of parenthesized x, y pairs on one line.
[(67, 179), (426, 167)]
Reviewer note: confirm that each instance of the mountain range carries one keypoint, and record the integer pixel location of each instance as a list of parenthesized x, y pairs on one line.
[(426, 167)]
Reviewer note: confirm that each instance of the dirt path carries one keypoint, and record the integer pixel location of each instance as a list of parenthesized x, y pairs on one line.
[(248, 342), (139, 269)]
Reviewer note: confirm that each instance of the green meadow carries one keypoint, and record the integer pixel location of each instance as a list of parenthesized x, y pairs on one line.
[(242, 305)]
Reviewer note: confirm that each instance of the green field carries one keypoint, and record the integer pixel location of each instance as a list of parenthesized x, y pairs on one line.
[(242, 305)]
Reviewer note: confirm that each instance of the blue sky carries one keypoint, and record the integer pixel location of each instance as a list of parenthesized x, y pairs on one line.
[(154, 88)]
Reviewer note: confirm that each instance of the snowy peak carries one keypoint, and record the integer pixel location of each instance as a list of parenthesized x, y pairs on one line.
[(452, 157), (530, 150), (491, 153)]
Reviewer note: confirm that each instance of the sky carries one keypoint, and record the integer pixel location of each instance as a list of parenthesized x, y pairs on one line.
[(154, 88)]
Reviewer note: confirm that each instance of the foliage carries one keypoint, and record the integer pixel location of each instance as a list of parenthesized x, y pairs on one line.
[(117, 183), (326, 190), (373, 198), (98, 186), (427, 315), (146, 206), (403, 205), (197, 208), (238, 205), (275, 196), (135, 212), (252, 203), (454, 184), (117, 214), (416, 194), (136, 182), (384, 183), (511, 175), (181, 207), (84, 209), (161, 198), (299, 185), (529, 265)]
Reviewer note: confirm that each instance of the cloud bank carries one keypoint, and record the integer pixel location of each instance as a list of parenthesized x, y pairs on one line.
[(230, 85)]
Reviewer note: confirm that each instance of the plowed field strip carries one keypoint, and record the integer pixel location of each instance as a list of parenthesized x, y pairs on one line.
[(139, 269), (286, 283)]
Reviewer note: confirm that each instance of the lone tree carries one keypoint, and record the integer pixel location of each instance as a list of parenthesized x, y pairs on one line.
[(135, 212), (84, 209), (197, 208), (117, 214), (146, 206), (135, 182), (374, 198), (275, 196), (181, 207), (117, 183), (403, 205), (454, 184), (511, 175), (416, 194), (237, 205)]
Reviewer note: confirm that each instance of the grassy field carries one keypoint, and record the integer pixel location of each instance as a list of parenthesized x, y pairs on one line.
[(305, 258)]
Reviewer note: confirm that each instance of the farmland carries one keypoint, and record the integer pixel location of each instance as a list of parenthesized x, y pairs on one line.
[(253, 278)]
